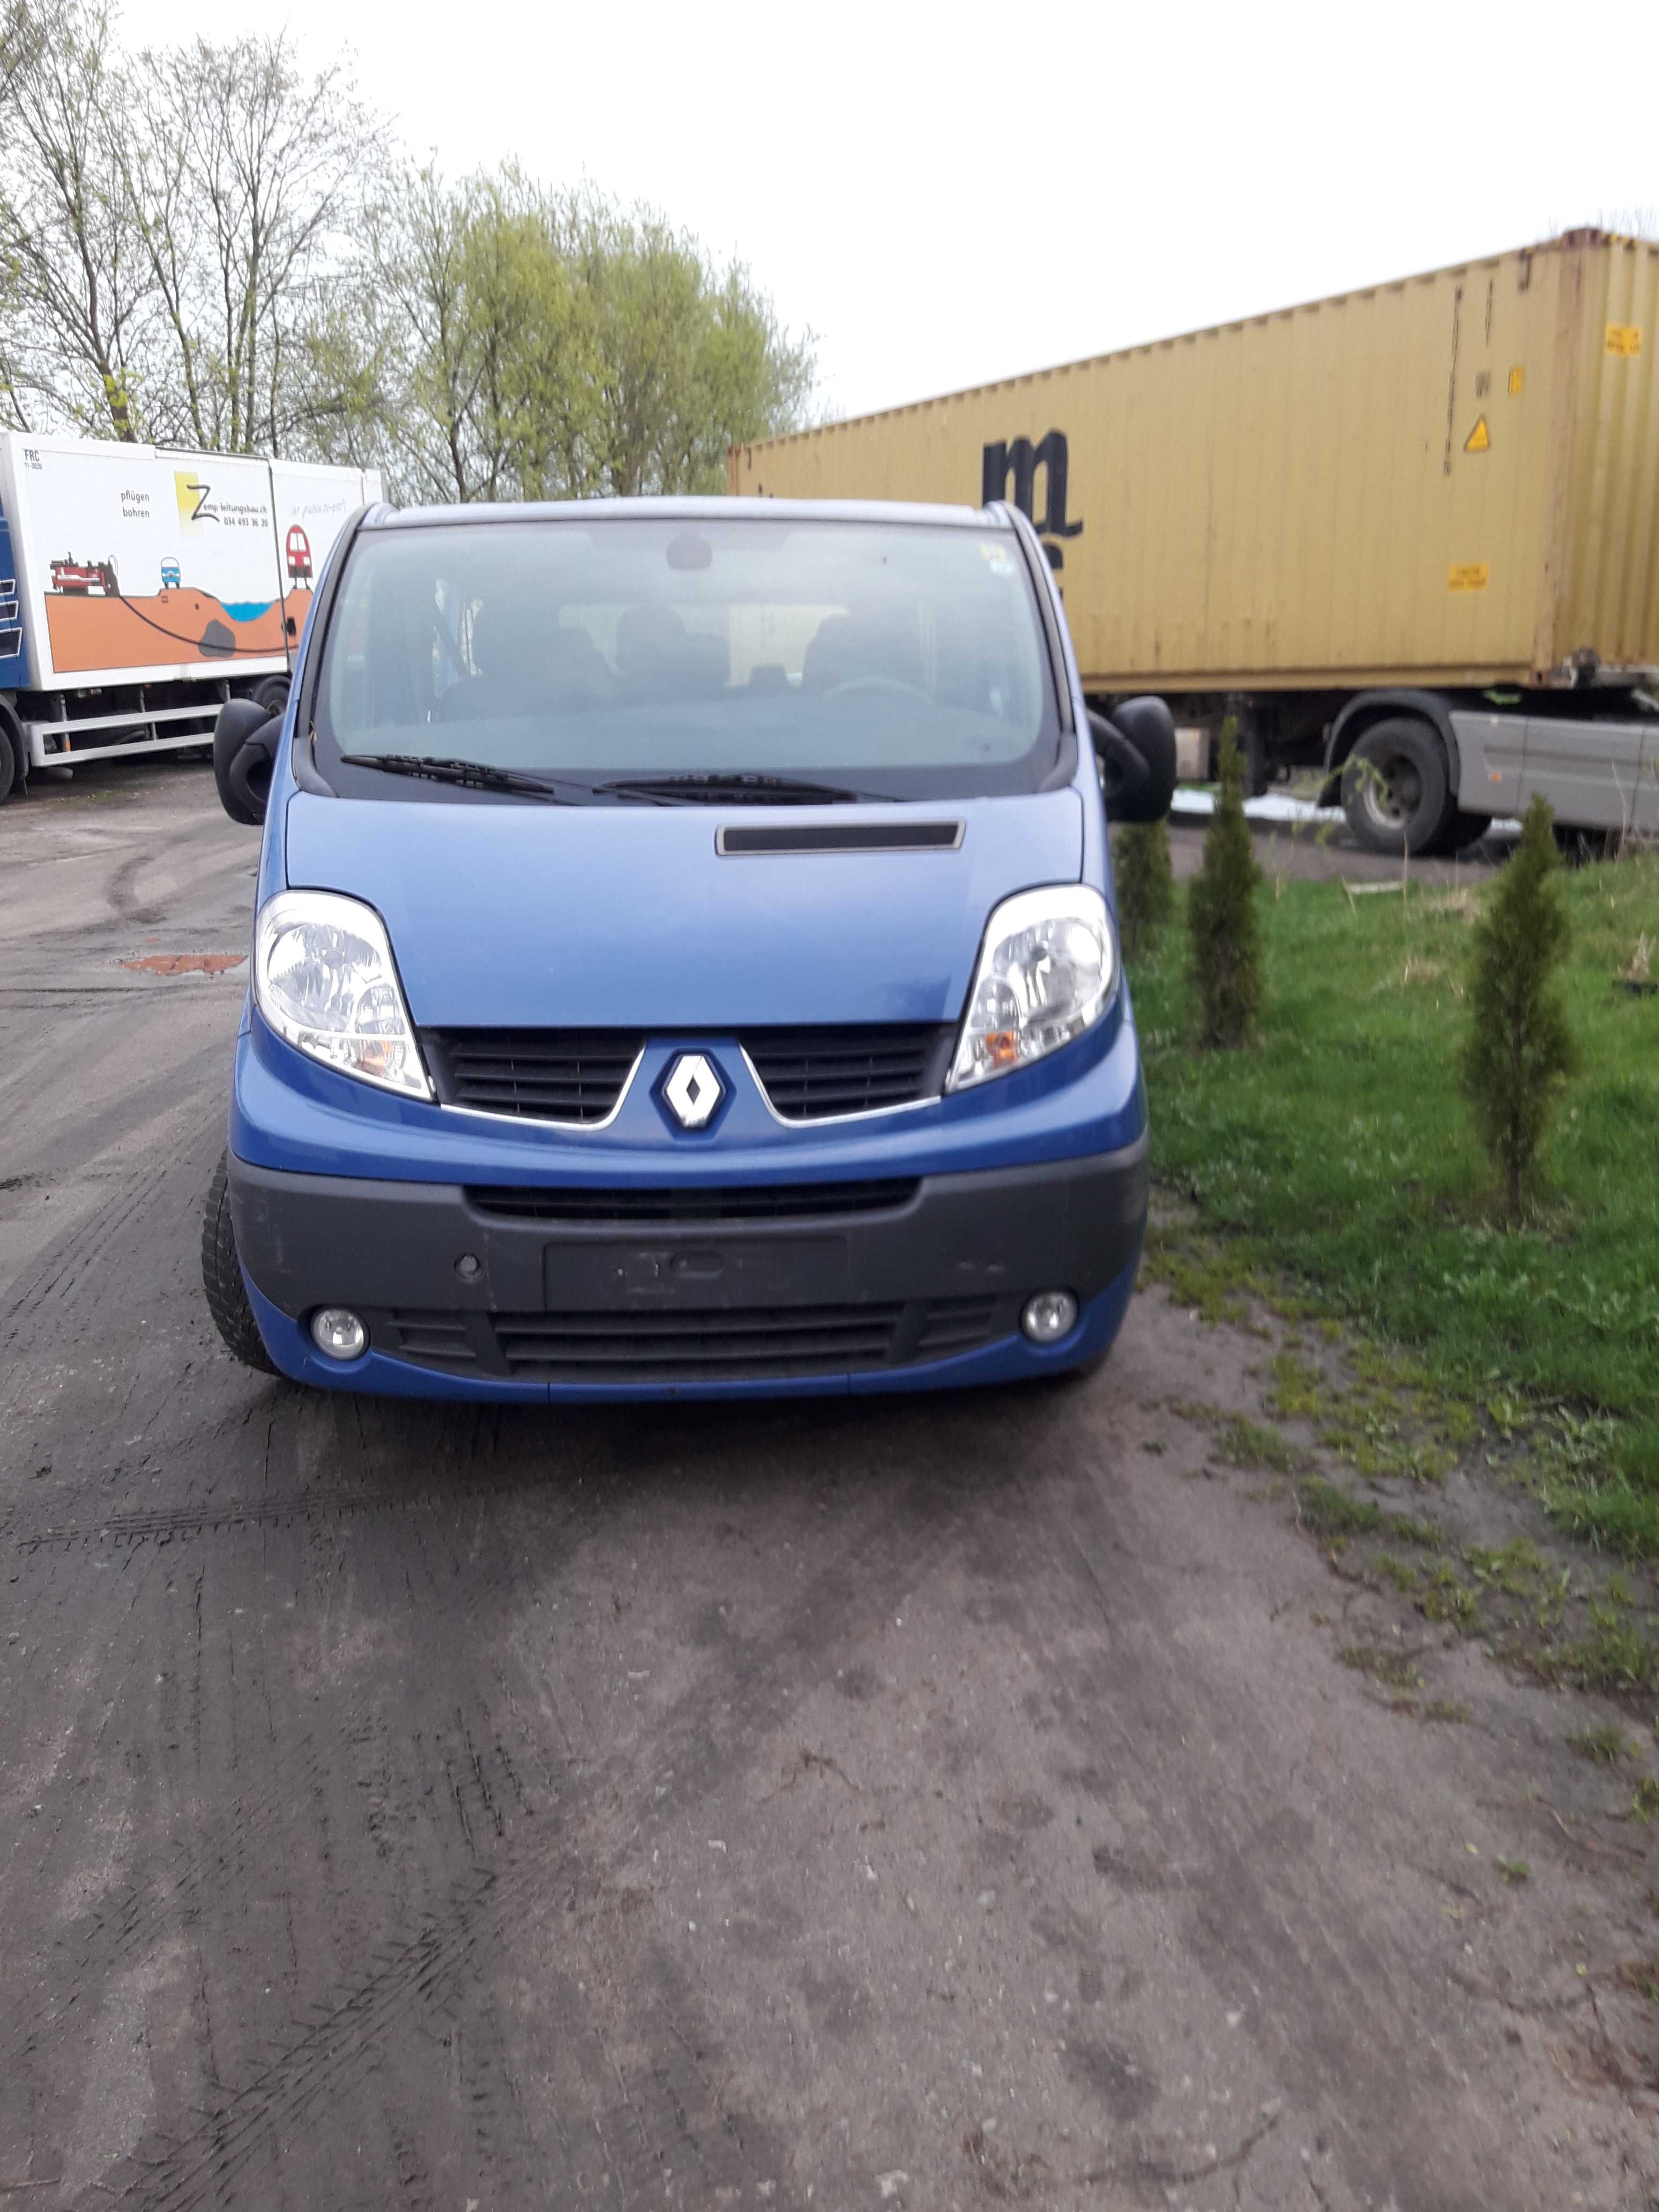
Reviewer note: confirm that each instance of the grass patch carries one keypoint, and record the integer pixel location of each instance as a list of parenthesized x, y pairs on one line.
[(1397, 1575), (1336, 1175), (1327, 1510), (1444, 1709), (1611, 1655), (1299, 1391), (1247, 1443), (1604, 1746), (1392, 1668), (1450, 1602)]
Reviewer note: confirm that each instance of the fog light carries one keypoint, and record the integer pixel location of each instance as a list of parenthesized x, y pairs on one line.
[(1048, 1316), (339, 1334)]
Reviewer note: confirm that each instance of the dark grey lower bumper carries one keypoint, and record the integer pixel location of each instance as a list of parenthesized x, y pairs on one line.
[(440, 1277)]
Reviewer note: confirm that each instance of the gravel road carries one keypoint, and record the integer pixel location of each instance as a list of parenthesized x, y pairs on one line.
[(913, 1804)]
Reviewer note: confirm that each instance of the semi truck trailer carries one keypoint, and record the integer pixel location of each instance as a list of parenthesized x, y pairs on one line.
[(1408, 536), (141, 588)]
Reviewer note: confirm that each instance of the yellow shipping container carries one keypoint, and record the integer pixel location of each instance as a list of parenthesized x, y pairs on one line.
[(1451, 480)]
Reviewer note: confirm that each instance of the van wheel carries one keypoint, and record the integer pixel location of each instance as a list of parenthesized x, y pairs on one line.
[(1394, 788), (222, 1279)]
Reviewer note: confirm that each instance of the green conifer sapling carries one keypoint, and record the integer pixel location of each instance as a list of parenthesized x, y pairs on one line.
[(1221, 917), (1145, 882), (1519, 1051)]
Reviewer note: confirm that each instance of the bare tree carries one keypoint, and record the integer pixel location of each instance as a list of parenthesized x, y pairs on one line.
[(79, 299), (20, 31), (243, 177)]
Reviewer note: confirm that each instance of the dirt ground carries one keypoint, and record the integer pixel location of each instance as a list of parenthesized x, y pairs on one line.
[(1323, 851), (920, 1803)]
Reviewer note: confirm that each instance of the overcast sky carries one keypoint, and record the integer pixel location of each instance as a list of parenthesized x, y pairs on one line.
[(951, 194)]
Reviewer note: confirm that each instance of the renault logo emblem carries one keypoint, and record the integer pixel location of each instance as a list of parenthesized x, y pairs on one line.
[(693, 1090)]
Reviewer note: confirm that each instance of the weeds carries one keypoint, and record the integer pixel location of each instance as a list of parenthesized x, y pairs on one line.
[(1247, 1443), (1604, 1745), (1392, 1668), (1612, 1656), (1397, 1575), (1449, 1602)]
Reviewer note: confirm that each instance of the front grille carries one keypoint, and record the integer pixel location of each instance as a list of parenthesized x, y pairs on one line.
[(684, 1346), (579, 1075), (793, 1201), (810, 1075), (544, 1075), (716, 1343)]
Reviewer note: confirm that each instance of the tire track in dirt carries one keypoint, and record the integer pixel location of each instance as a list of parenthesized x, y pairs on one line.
[(349, 2032), (161, 1524), (848, 1597), (294, 1768)]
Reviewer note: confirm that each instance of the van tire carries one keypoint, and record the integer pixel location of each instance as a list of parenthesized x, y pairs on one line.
[(222, 1279), (1396, 788)]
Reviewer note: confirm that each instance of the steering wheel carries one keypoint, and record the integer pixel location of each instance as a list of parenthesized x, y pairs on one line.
[(877, 683)]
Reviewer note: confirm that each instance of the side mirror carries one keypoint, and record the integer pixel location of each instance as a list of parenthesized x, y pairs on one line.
[(1136, 752), (244, 753)]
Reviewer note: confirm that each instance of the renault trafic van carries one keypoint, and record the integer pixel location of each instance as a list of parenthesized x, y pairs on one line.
[(684, 961)]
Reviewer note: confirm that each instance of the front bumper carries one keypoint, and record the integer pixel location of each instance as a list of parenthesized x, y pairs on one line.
[(464, 1300)]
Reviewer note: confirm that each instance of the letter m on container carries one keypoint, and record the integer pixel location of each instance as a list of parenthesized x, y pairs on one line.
[(1019, 458)]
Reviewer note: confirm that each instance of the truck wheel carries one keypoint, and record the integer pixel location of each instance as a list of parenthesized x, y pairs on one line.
[(271, 695), (222, 1279), (8, 764), (1394, 788)]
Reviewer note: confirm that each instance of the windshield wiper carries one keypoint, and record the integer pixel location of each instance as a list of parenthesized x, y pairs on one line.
[(737, 789), (476, 775)]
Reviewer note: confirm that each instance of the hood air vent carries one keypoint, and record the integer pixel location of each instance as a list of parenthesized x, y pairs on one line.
[(840, 837)]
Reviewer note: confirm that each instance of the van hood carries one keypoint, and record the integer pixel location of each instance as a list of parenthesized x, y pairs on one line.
[(531, 916)]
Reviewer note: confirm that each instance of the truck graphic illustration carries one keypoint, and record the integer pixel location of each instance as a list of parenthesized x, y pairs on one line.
[(147, 588), (79, 577)]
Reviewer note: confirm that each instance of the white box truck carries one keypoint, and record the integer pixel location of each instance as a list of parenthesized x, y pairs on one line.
[(142, 588)]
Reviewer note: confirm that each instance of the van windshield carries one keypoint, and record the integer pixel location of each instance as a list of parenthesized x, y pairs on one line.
[(699, 657)]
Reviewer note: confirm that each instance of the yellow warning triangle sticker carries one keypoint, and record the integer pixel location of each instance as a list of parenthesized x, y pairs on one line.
[(1480, 439)]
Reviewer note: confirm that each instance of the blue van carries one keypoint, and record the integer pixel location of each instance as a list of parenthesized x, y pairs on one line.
[(684, 961)]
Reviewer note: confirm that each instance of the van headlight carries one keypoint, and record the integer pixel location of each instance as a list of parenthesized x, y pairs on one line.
[(323, 979), (1047, 970)]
